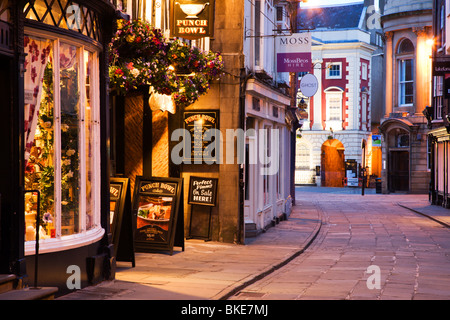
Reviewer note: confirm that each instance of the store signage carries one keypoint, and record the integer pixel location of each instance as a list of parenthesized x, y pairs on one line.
[(202, 191), (192, 19), (196, 123), (309, 85), (294, 53), (441, 68), (157, 203), (376, 140)]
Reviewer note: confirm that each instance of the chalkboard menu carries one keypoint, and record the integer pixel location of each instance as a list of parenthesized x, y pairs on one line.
[(121, 224), (196, 123), (157, 210), (202, 191)]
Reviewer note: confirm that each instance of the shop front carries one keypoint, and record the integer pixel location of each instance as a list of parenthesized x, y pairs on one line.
[(59, 142)]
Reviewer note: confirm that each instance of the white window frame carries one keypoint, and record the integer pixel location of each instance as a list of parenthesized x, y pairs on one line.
[(83, 237), (364, 69), (333, 93), (438, 95), (401, 83), (364, 102), (330, 65)]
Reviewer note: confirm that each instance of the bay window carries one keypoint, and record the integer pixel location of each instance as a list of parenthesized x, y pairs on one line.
[(62, 141)]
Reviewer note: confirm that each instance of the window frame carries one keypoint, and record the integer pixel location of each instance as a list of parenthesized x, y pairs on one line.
[(438, 96), (334, 92), (364, 70), (402, 83), (401, 59), (330, 65), (83, 237)]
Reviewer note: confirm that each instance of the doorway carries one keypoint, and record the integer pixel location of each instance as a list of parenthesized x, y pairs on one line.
[(399, 171), (332, 163)]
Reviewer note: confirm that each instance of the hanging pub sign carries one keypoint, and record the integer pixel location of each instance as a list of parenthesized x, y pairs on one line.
[(199, 147), (192, 19), (158, 210)]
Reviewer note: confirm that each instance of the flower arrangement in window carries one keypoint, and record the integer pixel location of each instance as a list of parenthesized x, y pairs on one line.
[(140, 56)]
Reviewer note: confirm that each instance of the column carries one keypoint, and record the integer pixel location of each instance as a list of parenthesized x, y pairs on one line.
[(389, 72), (317, 125)]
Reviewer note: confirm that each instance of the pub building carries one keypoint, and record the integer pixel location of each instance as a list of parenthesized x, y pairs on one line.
[(54, 123), (247, 202)]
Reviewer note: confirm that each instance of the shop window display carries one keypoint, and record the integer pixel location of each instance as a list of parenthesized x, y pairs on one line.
[(61, 124)]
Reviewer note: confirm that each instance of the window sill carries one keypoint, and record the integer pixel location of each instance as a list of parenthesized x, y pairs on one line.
[(65, 243)]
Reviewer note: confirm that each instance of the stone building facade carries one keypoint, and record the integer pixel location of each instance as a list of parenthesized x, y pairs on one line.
[(407, 27)]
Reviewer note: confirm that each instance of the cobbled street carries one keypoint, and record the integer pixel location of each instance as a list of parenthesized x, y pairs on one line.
[(361, 235)]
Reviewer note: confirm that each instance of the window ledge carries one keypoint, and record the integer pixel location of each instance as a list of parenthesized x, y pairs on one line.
[(65, 242)]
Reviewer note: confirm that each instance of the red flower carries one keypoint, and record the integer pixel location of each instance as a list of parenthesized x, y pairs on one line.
[(118, 71), (29, 168)]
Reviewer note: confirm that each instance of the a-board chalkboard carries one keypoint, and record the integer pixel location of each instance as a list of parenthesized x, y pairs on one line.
[(121, 223), (156, 207), (202, 191)]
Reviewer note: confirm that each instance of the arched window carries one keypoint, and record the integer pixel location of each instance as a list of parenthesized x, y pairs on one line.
[(334, 102), (405, 63)]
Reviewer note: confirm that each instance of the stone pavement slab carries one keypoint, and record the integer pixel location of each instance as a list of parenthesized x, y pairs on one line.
[(208, 270)]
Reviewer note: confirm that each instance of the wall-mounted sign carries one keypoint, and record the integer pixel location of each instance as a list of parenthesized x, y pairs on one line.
[(158, 215), (294, 53), (197, 147), (376, 140), (192, 19)]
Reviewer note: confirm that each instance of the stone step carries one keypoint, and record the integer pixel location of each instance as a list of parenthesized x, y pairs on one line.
[(6, 282), (251, 231), (40, 293)]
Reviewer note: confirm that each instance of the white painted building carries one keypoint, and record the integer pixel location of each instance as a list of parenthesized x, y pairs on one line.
[(267, 104), (329, 146)]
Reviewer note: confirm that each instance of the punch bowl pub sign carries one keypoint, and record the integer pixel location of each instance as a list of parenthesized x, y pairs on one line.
[(192, 19)]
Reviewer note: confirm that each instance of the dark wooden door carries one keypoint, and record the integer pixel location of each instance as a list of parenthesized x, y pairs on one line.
[(399, 171)]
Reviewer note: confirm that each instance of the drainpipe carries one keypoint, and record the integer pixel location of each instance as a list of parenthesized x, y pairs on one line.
[(244, 77)]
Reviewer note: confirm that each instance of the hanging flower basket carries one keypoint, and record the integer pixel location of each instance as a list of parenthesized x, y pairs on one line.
[(141, 56)]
